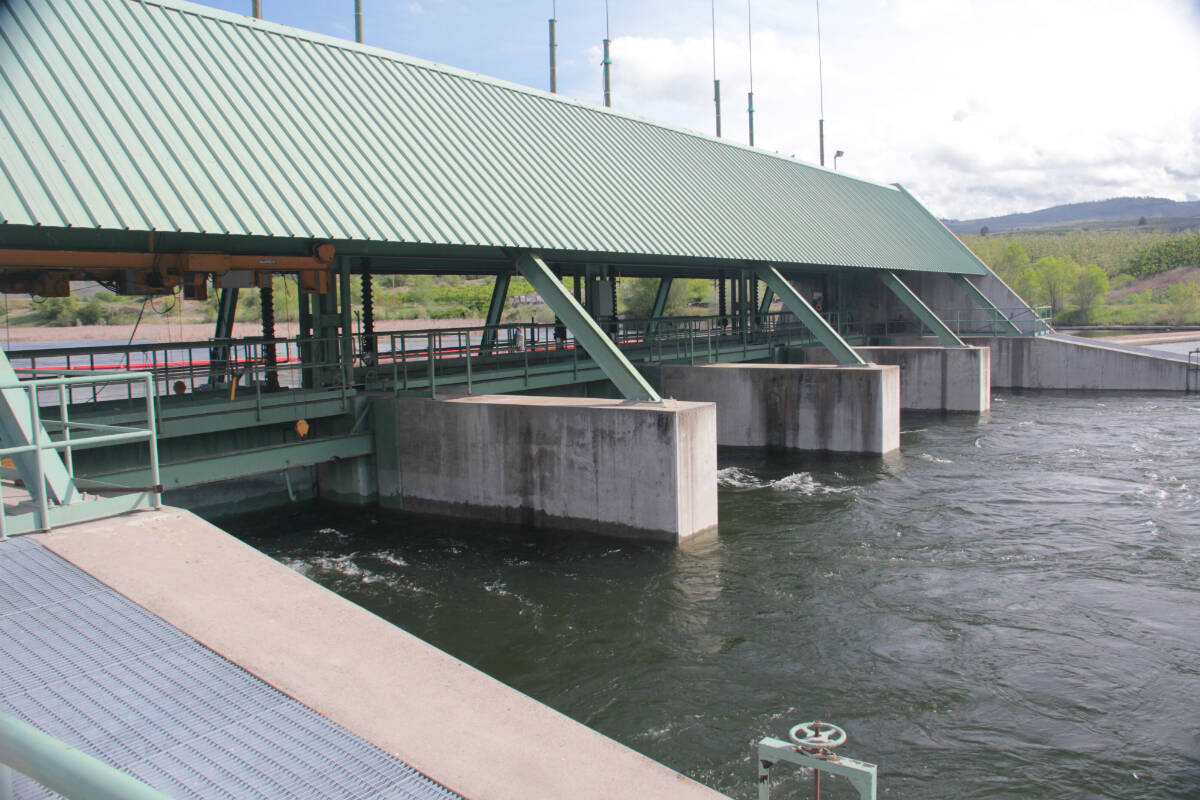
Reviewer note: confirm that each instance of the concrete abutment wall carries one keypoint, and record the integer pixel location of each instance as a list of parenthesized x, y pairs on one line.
[(1058, 362)]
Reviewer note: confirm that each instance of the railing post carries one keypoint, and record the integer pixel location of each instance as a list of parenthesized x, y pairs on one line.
[(64, 419), (469, 391), (430, 359), (155, 495), (36, 423)]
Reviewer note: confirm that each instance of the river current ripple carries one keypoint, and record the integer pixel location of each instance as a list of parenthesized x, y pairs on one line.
[(1010, 607)]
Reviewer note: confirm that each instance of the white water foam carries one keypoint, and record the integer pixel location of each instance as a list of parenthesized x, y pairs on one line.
[(738, 478), (805, 483)]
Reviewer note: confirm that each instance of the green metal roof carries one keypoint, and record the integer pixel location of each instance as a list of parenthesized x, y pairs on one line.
[(173, 117)]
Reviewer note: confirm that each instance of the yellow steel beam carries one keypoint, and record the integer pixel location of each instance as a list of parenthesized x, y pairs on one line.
[(163, 262)]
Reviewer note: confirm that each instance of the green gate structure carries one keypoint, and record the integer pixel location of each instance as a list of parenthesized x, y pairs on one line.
[(165, 147)]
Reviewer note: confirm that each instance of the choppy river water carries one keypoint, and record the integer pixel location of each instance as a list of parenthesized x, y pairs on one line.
[(1010, 607)]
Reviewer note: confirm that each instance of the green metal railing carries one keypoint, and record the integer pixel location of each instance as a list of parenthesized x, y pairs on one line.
[(971, 322), (65, 437), (421, 360), (61, 768)]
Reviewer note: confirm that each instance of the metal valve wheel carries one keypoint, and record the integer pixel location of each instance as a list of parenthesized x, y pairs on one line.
[(817, 735)]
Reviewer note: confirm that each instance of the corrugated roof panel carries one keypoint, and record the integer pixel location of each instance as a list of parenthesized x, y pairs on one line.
[(164, 115)]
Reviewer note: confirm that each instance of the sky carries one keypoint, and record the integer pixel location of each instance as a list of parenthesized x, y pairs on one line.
[(977, 108)]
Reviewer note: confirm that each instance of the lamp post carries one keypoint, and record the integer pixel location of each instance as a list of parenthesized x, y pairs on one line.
[(836, 156)]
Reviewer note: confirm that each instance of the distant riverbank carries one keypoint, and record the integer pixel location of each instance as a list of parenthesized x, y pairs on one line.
[(195, 331)]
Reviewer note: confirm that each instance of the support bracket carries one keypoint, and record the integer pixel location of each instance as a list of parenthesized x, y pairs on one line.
[(587, 333), (495, 309), (19, 428), (660, 304), (808, 316), (947, 337), (984, 303)]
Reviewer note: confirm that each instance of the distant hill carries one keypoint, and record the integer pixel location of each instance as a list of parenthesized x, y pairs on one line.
[(1119, 212)]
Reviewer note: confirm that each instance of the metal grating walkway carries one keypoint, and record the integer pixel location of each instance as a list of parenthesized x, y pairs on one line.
[(99, 672)]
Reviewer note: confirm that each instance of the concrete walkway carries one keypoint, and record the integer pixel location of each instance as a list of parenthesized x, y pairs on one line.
[(464, 729)]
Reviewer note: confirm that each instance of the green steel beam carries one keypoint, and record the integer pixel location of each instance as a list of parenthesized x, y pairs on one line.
[(495, 309), (64, 770), (254, 462), (842, 352), (984, 303), (660, 303), (191, 416), (768, 295), (947, 337), (587, 333)]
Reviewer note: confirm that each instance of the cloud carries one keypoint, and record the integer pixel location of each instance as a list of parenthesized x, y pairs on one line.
[(976, 108)]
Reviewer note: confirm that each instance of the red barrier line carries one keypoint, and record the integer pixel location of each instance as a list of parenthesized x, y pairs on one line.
[(150, 365)]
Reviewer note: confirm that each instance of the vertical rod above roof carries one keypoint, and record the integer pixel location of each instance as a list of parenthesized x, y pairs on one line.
[(553, 66), (717, 101), (820, 85), (607, 79), (750, 51), (607, 61), (716, 83), (256, 9), (358, 25)]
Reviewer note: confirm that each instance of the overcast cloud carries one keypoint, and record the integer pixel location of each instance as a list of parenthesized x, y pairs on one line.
[(977, 108)]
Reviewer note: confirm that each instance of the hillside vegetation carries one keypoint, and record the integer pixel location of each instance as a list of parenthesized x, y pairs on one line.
[(1136, 276)]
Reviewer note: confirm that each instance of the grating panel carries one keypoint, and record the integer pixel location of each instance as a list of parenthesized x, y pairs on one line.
[(95, 670)]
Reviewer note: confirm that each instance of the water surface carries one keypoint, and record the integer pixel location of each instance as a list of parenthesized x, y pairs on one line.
[(1010, 607)]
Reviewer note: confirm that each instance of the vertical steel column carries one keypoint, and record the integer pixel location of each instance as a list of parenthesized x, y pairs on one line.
[(369, 345), (358, 21), (347, 348), (721, 320), (305, 336), (270, 362)]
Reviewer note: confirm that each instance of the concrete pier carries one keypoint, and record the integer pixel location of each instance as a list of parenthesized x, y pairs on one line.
[(815, 407), (953, 379), (460, 727), (635, 469)]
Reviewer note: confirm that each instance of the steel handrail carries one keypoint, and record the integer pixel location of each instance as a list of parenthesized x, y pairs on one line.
[(61, 768), (67, 445)]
